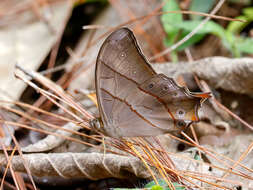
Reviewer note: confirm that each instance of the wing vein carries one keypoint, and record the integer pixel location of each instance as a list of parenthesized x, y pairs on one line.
[(129, 105)]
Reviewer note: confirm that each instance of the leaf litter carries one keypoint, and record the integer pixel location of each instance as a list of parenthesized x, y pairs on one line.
[(233, 75)]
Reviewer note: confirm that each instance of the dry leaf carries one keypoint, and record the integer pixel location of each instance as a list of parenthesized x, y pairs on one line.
[(52, 141), (26, 43), (88, 165), (234, 75)]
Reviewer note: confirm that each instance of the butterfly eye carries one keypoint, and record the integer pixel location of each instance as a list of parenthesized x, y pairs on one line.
[(95, 123), (180, 113), (151, 85), (181, 124)]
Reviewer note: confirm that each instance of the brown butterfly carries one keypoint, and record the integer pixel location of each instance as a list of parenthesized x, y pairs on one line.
[(133, 99)]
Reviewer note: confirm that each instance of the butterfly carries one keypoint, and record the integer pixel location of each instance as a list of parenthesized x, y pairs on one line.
[(135, 101)]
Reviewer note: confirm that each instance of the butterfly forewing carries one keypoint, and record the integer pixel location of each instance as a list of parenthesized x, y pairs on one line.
[(121, 54), (120, 68)]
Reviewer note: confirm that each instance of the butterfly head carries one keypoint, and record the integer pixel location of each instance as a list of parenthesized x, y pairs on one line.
[(97, 125)]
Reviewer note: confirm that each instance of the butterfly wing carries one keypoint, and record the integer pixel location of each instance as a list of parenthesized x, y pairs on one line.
[(180, 103), (133, 100), (120, 68)]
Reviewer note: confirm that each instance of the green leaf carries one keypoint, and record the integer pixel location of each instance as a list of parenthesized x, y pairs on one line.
[(248, 12), (157, 187), (201, 6), (209, 27), (244, 45), (161, 182), (163, 185), (238, 45), (171, 5), (229, 43), (236, 26), (174, 56), (188, 26), (194, 39)]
